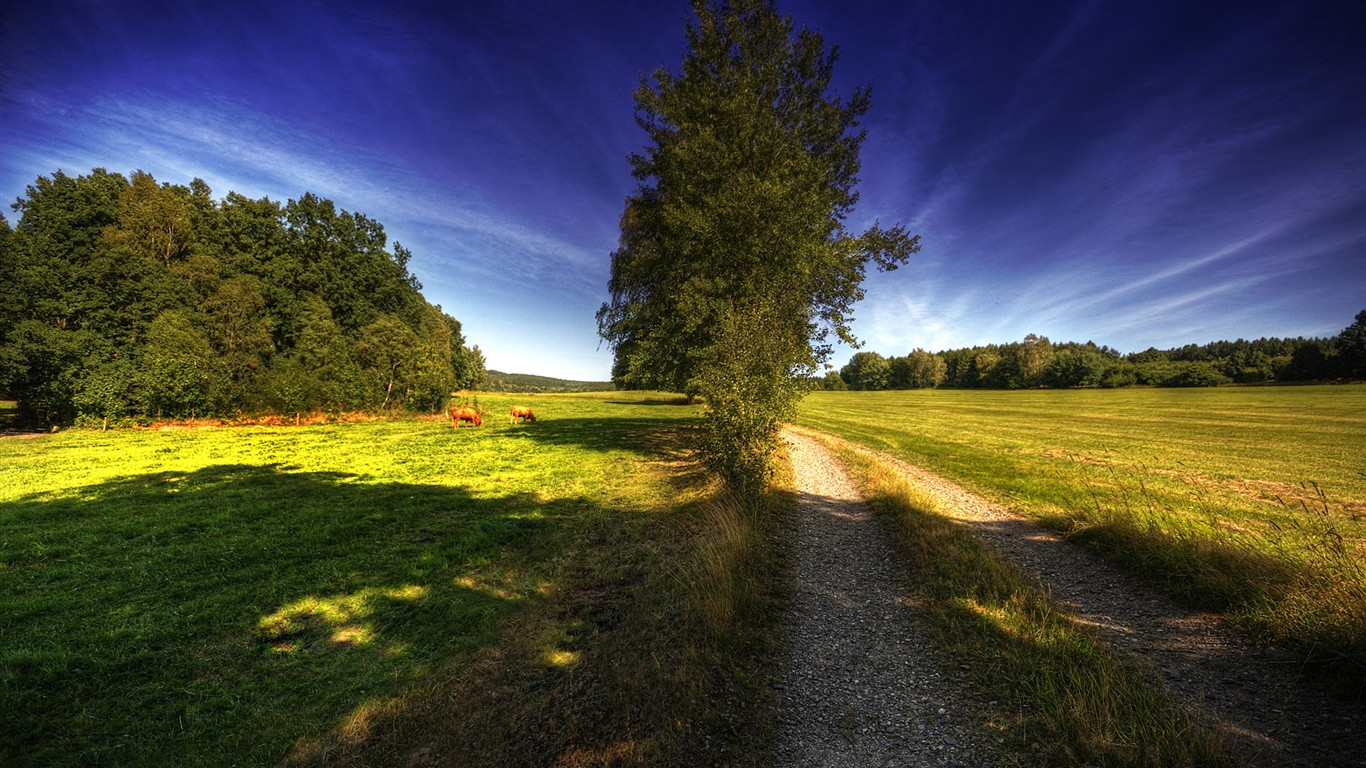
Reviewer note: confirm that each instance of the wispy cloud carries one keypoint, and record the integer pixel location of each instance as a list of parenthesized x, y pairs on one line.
[(237, 149)]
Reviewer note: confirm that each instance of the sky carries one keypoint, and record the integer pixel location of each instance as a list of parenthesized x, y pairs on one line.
[(1136, 174)]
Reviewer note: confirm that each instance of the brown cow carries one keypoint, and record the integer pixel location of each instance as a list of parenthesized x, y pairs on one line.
[(522, 412), (465, 414)]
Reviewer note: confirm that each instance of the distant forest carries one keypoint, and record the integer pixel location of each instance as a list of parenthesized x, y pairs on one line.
[(125, 300), (497, 381), (1037, 362)]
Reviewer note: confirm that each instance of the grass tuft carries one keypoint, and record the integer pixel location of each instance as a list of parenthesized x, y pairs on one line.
[(724, 579)]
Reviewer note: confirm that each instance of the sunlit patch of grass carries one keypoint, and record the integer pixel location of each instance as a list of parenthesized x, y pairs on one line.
[(338, 618), (1060, 696)]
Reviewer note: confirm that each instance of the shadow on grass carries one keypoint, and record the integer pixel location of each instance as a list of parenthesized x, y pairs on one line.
[(639, 435), (1203, 571), (220, 616), (656, 400)]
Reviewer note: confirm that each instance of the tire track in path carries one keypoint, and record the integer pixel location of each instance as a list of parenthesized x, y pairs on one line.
[(1253, 695), (860, 685)]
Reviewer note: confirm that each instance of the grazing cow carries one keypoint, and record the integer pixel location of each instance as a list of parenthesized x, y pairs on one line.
[(465, 414), (522, 412)]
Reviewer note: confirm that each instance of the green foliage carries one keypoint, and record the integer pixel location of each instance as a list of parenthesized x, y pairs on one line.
[(927, 371), (1351, 345), (1032, 358), (107, 391), (866, 371), (471, 370), (1195, 375), (833, 382), (1118, 375), (985, 370), (899, 373), (384, 353), (734, 267), (175, 368), (154, 221), (320, 372), (42, 364), (1075, 368), (130, 298), (238, 327)]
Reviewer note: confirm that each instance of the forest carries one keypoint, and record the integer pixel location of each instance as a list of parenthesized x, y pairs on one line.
[(1037, 362), (127, 300), (498, 381)]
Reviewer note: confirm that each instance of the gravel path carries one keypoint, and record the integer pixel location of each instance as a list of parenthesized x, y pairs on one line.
[(1253, 695), (861, 687)]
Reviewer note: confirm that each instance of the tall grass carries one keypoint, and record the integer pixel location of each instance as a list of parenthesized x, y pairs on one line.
[(1297, 577), (724, 578)]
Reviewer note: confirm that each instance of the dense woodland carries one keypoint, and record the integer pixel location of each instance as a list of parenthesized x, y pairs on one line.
[(1037, 362), (125, 299)]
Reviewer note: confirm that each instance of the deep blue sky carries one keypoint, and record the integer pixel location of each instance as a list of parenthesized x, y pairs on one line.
[(1133, 173)]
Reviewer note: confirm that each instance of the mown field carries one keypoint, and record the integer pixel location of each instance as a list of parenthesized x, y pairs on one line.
[(368, 593), (1247, 500)]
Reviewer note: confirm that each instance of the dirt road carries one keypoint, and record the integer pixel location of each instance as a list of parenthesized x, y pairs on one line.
[(1254, 696)]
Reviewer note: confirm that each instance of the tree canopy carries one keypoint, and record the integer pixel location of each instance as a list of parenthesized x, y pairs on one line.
[(735, 266), (129, 298)]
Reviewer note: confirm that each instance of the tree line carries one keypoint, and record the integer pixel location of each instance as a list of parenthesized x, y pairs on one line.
[(1037, 362), (125, 299), (498, 381)]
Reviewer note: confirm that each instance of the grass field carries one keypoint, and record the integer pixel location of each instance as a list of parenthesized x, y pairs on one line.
[(1246, 500), (359, 593)]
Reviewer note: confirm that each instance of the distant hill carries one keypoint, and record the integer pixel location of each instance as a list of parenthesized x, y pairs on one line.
[(525, 382)]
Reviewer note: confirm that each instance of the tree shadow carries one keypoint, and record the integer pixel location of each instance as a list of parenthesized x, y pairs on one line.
[(655, 400), (637, 435), (226, 613)]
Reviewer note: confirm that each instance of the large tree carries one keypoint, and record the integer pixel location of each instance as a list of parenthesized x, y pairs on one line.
[(735, 266), (1351, 345)]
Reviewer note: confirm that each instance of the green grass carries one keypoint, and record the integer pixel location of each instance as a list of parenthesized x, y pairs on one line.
[(1245, 500), (349, 593), (1059, 696)]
